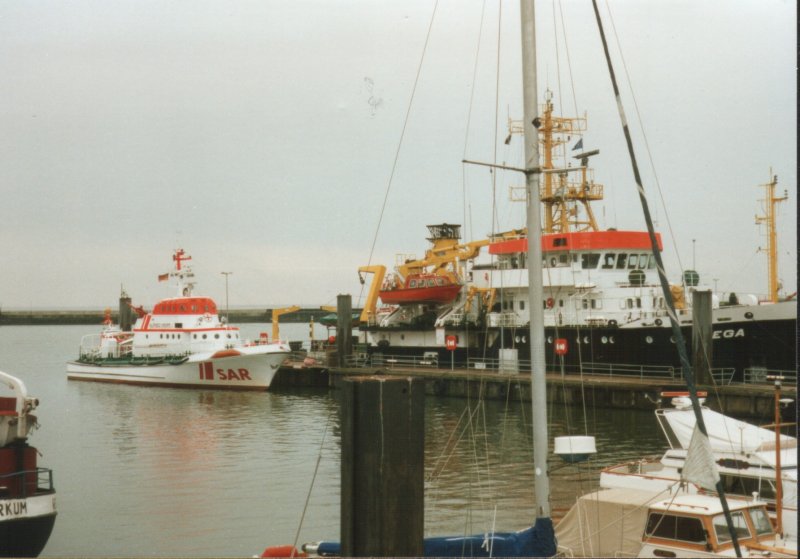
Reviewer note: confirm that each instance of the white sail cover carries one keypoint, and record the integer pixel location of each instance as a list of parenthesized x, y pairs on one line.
[(728, 435), (700, 467)]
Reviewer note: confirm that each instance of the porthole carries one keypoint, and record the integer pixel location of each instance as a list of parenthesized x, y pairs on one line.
[(586, 339), (649, 339), (672, 339), (549, 339), (604, 340), (524, 339), (216, 336), (611, 340), (748, 315), (516, 339), (204, 336)]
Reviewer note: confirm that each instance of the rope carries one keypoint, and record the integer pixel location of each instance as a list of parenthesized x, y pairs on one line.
[(313, 478)]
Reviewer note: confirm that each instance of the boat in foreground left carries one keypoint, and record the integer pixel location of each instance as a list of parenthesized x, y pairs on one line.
[(27, 497)]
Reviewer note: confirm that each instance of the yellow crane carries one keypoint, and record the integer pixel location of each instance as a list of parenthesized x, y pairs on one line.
[(276, 314), (371, 303)]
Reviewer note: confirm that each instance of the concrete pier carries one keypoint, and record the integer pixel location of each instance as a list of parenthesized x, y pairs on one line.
[(601, 391)]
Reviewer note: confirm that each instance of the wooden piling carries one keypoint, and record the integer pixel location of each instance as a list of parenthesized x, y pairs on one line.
[(125, 313), (702, 354), (382, 485), (344, 328)]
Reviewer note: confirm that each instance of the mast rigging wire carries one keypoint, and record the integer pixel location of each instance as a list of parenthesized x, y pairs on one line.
[(688, 374), (402, 136)]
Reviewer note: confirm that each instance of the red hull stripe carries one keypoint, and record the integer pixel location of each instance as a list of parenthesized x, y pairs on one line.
[(585, 240), (209, 367)]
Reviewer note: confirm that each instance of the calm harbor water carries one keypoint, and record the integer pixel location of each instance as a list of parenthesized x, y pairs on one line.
[(154, 471)]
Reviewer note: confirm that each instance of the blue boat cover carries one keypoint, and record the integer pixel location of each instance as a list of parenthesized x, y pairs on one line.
[(536, 541)]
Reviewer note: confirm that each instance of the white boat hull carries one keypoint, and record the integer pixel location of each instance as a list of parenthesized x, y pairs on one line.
[(245, 368)]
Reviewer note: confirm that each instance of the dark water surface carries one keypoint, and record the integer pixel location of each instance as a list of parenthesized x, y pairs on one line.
[(169, 472)]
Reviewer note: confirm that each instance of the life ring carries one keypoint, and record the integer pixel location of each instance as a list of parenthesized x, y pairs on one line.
[(550, 302)]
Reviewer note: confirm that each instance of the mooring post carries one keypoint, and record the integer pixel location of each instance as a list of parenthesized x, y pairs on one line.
[(382, 485), (125, 313), (344, 329), (702, 354)]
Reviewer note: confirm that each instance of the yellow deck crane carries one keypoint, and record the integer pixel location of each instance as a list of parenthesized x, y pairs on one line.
[(276, 314), (444, 258)]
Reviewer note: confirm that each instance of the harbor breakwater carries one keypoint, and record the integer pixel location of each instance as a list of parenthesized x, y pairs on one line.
[(95, 316)]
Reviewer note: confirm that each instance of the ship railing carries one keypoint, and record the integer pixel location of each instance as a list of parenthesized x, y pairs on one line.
[(759, 375), (723, 376), (399, 361), (24, 483)]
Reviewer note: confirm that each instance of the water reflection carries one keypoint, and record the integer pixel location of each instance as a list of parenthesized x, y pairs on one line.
[(168, 472)]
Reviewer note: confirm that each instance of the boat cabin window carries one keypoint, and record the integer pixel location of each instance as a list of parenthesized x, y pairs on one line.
[(590, 261), (439, 281), (739, 526), (412, 283), (675, 527), (642, 261), (761, 521), (621, 259), (608, 260), (633, 260), (522, 305), (431, 283), (651, 262), (742, 485)]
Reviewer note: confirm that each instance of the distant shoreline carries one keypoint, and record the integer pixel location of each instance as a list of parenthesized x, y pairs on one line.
[(95, 316)]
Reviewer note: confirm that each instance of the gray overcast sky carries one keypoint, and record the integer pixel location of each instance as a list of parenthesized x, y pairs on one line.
[(260, 136)]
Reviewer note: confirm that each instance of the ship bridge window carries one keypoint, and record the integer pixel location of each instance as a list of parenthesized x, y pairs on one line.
[(674, 527), (590, 261), (608, 260), (560, 242), (642, 261), (522, 305), (633, 260), (738, 523), (621, 259), (651, 262)]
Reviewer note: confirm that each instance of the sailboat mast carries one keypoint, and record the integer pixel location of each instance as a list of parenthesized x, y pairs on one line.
[(531, 124)]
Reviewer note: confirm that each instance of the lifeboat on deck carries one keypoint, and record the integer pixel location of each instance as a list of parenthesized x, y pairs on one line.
[(421, 288)]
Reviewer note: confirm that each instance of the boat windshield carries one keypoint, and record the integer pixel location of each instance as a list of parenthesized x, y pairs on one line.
[(739, 525), (761, 521)]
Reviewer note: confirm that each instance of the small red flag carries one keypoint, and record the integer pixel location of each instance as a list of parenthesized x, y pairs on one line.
[(163, 277)]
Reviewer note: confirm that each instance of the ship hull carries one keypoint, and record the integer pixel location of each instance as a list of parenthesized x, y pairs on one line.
[(747, 341), (26, 525), (241, 369)]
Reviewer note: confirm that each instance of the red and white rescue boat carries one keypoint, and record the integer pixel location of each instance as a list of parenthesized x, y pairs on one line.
[(181, 343)]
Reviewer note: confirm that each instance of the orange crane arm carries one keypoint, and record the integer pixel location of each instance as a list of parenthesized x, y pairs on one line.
[(276, 314)]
